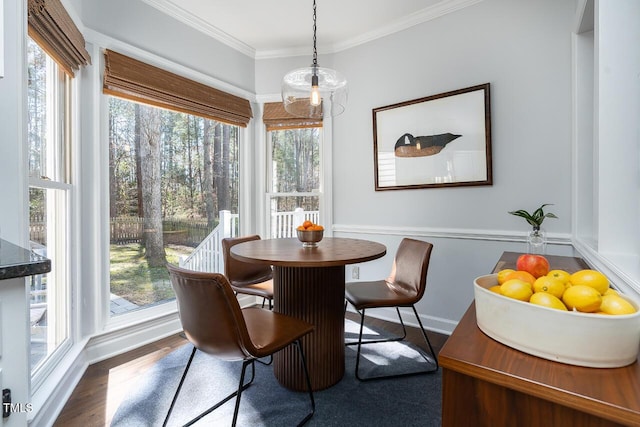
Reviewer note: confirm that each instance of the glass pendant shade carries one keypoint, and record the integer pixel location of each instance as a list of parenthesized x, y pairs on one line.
[(299, 92)]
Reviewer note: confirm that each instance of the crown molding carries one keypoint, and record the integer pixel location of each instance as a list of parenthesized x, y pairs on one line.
[(440, 9), (195, 22)]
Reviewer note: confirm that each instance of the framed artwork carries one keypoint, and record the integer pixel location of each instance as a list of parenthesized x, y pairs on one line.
[(441, 140)]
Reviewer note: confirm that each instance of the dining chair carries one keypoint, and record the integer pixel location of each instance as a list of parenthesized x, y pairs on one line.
[(403, 288), (245, 277), (215, 324)]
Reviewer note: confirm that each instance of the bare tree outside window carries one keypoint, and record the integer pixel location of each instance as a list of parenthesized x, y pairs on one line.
[(170, 176)]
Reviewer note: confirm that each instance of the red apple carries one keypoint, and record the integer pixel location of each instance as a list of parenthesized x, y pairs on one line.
[(537, 265)]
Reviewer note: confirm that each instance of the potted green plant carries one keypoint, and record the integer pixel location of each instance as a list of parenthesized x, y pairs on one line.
[(536, 239)]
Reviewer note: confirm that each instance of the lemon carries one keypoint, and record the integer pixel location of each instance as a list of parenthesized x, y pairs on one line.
[(582, 298), (592, 278), (560, 274), (517, 289), (547, 300), (550, 285), (502, 274), (615, 304), (495, 289), (610, 291)]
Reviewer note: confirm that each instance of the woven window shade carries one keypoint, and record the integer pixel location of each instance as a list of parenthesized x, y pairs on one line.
[(53, 29), (140, 82), (275, 117)]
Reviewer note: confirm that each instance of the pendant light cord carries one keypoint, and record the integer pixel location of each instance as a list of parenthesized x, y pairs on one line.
[(315, 51)]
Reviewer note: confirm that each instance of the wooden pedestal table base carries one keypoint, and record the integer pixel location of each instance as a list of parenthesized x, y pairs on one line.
[(320, 301)]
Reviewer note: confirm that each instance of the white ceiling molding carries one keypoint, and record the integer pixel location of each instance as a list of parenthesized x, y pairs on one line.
[(199, 24), (429, 13)]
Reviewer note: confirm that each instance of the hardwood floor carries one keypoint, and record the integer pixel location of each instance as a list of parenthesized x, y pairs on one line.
[(102, 387)]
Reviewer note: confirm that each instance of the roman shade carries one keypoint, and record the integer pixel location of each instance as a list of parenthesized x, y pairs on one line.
[(275, 117), (55, 32), (140, 82)]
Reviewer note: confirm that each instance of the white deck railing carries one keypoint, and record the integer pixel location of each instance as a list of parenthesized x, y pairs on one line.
[(207, 256), (283, 224)]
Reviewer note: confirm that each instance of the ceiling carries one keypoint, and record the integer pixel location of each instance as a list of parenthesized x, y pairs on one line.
[(276, 28)]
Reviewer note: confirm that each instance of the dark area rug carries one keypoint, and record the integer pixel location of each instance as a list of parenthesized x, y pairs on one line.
[(406, 401)]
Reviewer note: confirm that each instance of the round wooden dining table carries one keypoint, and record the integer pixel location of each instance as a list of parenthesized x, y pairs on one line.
[(309, 284)]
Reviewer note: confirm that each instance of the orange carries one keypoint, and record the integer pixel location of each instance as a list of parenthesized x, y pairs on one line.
[(307, 224), (522, 275)]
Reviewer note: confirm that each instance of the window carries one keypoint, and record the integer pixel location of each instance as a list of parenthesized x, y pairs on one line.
[(173, 179), (295, 191), (173, 170), (49, 193)]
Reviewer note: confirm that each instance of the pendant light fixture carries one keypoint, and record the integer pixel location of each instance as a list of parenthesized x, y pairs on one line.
[(312, 91)]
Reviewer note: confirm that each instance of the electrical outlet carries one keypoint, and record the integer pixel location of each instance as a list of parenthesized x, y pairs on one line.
[(355, 272)]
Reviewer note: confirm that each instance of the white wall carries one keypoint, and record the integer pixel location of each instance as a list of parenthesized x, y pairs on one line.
[(523, 49), (13, 175), (138, 24)]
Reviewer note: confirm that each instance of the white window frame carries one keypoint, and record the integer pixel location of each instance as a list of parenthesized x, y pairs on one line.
[(323, 193), (59, 214)]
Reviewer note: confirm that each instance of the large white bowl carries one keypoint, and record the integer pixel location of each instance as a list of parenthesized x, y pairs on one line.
[(583, 339)]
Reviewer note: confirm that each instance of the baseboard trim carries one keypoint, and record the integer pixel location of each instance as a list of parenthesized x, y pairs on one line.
[(50, 398), (430, 323)]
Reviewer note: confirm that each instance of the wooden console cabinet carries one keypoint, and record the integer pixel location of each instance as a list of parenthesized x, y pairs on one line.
[(486, 383)]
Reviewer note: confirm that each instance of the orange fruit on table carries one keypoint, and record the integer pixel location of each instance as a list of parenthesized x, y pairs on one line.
[(502, 274), (522, 275), (591, 278), (307, 224)]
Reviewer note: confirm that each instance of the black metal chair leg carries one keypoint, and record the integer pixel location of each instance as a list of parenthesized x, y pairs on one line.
[(360, 342), (241, 388), (398, 338), (175, 396), (306, 374)]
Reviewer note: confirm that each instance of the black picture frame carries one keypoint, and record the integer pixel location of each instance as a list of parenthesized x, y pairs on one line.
[(442, 140)]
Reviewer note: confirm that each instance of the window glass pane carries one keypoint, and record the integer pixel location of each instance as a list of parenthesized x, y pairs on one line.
[(295, 180), (37, 108), (173, 195), (46, 102), (47, 106), (49, 320), (295, 155)]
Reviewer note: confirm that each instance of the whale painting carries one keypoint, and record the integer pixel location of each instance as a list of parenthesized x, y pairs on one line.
[(421, 146)]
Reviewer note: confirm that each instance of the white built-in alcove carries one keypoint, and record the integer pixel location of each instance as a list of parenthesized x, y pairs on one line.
[(606, 88)]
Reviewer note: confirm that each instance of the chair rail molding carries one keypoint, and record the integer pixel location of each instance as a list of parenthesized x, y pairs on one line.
[(450, 233)]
